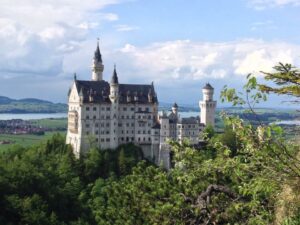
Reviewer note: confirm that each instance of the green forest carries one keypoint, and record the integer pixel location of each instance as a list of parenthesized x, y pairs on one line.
[(249, 174)]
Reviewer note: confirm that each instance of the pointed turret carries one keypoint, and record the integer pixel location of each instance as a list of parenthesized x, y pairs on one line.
[(97, 56), (175, 108), (114, 86), (114, 79), (97, 67)]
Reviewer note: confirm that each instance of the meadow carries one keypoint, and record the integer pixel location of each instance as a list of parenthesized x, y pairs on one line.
[(53, 126)]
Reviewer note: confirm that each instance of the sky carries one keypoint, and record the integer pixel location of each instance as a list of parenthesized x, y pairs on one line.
[(178, 44)]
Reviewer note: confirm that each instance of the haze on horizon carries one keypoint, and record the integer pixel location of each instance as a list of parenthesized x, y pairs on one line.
[(178, 45)]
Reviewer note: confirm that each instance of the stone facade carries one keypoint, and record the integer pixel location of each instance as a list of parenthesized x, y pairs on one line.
[(108, 114)]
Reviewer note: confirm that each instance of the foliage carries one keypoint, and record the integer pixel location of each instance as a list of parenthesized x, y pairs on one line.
[(237, 178), (45, 184), (287, 79)]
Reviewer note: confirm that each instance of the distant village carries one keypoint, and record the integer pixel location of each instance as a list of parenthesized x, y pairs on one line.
[(20, 127)]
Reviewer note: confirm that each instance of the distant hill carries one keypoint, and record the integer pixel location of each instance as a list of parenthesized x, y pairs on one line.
[(30, 105)]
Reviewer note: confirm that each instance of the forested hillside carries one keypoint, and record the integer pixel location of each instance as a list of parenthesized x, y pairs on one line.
[(30, 105), (250, 174)]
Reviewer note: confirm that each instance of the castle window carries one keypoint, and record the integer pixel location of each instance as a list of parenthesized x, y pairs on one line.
[(94, 117), (132, 124), (122, 139), (149, 117), (87, 117), (107, 132), (132, 117), (96, 132), (97, 139), (132, 108), (125, 109), (87, 125), (96, 125), (147, 109), (108, 139), (132, 139), (127, 117), (95, 108), (107, 125), (144, 132), (149, 132), (140, 109), (107, 108), (149, 139), (102, 139), (108, 117), (87, 108), (120, 124), (122, 117), (139, 132), (127, 124), (139, 139)]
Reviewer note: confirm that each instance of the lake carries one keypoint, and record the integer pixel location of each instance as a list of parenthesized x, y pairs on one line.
[(288, 122), (32, 116)]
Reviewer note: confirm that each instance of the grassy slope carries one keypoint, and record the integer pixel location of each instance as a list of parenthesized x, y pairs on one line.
[(25, 139), (57, 125)]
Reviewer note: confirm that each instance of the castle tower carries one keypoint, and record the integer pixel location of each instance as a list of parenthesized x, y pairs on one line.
[(208, 105), (114, 98), (175, 109), (97, 66)]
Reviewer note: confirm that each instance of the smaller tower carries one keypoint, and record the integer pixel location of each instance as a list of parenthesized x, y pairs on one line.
[(175, 109), (208, 106), (114, 98), (114, 87), (97, 66)]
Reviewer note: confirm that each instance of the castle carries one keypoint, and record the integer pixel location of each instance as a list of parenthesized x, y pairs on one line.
[(108, 114)]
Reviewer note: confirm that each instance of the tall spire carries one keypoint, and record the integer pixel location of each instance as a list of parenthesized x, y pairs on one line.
[(97, 56), (114, 79), (97, 66)]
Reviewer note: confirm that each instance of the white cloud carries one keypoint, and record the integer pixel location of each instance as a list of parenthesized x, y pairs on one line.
[(110, 16), (262, 4), (36, 34), (264, 25), (187, 61), (125, 27)]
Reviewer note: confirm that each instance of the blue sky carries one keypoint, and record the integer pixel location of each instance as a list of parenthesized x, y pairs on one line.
[(178, 44)]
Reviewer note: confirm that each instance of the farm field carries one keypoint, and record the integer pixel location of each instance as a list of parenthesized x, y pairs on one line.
[(25, 139)]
